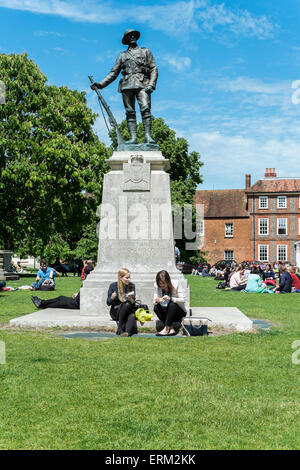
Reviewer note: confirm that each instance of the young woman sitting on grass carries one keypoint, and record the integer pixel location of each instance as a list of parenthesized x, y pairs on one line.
[(254, 283), (169, 302), (269, 276), (238, 280), (120, 298)]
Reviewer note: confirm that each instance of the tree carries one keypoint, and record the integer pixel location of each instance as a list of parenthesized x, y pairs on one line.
[(184, 167), (49, 155)]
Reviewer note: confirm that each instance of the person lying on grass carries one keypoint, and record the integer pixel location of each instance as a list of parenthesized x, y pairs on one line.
[(58, 302)]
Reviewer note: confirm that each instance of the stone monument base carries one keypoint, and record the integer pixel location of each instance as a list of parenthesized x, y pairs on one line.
[(229, 318), (136, 229)]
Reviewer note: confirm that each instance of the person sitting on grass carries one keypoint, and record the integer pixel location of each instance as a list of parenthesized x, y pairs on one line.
[(120, 298), (87, 269), (268, 276), (205, 272), (285, 281), (45, 277), (58, 302), (2, 285), (196, 271), (238, 280), (169, 302), (254, 284), (295, 279)]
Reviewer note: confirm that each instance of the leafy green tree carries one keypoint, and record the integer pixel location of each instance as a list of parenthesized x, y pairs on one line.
[(49, 155), (184, 168)]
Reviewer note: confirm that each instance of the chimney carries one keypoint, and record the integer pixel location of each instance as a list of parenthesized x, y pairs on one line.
[(248, 181), (270, 173)]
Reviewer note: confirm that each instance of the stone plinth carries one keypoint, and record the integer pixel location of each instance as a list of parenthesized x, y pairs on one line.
[(135, 231), (228, 318), (2, 275), (5, 266)]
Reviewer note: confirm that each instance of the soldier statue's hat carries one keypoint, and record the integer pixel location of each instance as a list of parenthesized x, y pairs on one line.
[(127, 32)]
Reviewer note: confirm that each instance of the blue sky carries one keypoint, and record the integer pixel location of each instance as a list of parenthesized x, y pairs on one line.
[(226, 71)]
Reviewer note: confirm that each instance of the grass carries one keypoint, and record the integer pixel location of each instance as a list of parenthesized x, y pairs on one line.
[(239, 391), (16, 303)]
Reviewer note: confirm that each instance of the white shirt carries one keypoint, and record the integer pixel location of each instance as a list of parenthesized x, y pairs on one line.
[(178, 296)]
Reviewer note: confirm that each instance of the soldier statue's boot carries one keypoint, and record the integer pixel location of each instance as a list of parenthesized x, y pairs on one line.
[(132, 129), (147, 122)]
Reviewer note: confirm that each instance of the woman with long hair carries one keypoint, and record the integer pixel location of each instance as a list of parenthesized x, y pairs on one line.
[(120, 298), (169, 302)]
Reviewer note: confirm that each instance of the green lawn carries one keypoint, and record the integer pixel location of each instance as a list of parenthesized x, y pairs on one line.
[(237, 391)]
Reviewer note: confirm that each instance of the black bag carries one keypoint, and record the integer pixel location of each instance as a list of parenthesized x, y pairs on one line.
[(138, 304), (47, 285), (221, 285), (195, 326)]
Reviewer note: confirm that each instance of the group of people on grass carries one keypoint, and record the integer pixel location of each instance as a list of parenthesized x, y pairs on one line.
[(168, 299), (283, 279)]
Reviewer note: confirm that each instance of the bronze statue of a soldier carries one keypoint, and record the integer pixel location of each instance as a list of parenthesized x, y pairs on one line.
[(140, 73)]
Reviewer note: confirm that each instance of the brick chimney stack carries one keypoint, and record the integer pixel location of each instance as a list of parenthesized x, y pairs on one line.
[(270, 173), (248, 182)]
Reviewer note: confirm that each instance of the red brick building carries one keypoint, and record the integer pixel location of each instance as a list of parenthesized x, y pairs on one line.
[(259, 222)]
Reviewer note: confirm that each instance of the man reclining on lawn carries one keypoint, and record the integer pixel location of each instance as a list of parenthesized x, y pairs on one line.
[(58, 302)]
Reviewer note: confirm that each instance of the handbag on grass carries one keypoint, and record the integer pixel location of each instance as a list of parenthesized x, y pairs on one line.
[(195, 326)]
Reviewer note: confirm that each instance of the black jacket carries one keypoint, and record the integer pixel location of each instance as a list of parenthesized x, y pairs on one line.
[(285, 284), (114, 288)]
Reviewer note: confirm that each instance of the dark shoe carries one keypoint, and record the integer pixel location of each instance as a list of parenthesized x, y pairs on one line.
[(159, 326), (37, 302)]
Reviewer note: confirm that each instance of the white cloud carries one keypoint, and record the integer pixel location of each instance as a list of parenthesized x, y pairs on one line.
[(177, 63), (253, 85), (49, 33), (172, 18), (233, 156), (242, 23)]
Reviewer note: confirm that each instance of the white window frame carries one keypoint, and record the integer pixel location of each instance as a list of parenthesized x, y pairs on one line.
[(286, 226), (259, 254), (285, 202), (226, 258), (286, 252), (260, 198), (259, 227), (299, 226), (226, 234)]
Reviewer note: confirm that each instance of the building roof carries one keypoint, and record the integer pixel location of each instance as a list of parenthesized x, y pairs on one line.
[(276, 185), (229, 203)]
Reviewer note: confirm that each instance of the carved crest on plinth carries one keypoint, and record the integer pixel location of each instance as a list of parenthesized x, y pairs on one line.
[(136, 174)]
